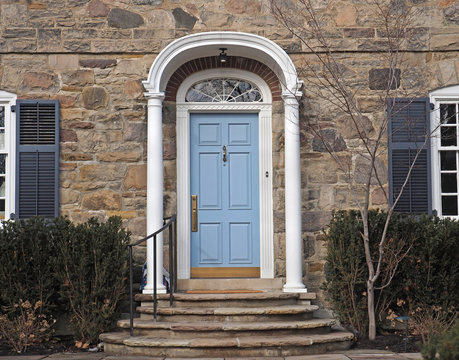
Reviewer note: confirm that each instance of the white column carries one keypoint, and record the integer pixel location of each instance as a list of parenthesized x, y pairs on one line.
[(294, 242), (154, 189)]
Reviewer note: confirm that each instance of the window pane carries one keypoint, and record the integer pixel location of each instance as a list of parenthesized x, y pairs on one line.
[(448, 136), (2, 163), (448, 183), (448, 160), (222, 90), (2, 186), (2, 116), (2, 209), (449, 205), (2, 139), (448, 113)]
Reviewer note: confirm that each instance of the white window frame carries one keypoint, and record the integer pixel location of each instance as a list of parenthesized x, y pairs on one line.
[(441, 96), (8, 100)]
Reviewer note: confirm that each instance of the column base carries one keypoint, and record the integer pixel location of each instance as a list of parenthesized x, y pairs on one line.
[(294, 288)]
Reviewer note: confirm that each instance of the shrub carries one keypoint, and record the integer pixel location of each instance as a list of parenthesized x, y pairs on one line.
[(443, 346), (93, 258), (25, 325), (26, 266), (425, 279)]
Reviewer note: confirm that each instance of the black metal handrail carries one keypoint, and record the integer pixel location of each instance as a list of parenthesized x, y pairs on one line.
[(171, 223)]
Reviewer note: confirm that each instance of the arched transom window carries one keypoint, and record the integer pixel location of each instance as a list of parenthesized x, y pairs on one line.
[(223, 90)]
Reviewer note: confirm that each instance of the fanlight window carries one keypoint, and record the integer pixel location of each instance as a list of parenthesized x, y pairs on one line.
[(223, 90)]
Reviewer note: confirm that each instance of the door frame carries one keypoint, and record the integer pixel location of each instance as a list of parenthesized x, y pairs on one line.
[(264, 111)]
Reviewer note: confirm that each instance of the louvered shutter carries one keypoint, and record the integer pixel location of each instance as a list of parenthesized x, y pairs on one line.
[(37, 158), (408, 129)]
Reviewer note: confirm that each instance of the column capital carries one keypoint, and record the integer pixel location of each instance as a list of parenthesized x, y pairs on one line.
[(158, 96)]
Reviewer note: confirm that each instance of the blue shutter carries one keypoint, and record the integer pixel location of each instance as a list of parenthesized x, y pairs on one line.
[(37, 158), (408, 129)]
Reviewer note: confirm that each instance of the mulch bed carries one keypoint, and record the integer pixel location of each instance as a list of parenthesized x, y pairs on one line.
[(391, 341)]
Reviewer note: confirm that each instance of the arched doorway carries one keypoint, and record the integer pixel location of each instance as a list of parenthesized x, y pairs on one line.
[(162, 74)]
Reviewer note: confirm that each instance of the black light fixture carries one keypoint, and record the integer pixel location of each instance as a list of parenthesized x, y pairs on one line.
[(223, 55)]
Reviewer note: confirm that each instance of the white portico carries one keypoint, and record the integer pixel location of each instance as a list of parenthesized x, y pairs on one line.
[(167, 62)]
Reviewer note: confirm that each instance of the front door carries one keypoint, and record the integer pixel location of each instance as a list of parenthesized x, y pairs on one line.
[(225, 239)]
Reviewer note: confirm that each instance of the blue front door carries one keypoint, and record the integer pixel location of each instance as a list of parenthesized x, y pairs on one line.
[(224, 177)]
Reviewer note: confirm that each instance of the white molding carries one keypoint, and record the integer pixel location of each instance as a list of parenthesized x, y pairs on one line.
[(443, 95), (208, 43), (264, 111), (8, 100)]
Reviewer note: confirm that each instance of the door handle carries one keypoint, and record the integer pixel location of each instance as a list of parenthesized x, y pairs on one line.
[(194, 213), (224, 153)]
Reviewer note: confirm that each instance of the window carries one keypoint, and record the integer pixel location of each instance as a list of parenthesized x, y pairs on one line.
[(29, 157), (445, 151), (223, 90), (7, 154)]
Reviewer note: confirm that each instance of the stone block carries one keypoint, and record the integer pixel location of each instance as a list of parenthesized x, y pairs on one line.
[(76, 157), (148, 2), (359, 32), (136, 178), (67, 196), (451, 13), (18, 33), (13, 15), (135, 132), (102, 200), (133, 89), (138, 226), (37, 81), (183, 20), (61, 62), (97, 8), (97, 63), (105, 172), (161, 19), (315, 220), (66, 101), (122, 214), (78, 78), (119, 157), (328, 140), (81, 125), (243, 7), (95, 98), (68, 136), (346, 16), (381, 79), (124, 19), (49, 39)]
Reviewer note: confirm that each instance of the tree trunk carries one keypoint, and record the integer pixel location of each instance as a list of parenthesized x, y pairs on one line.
[(371, 311)]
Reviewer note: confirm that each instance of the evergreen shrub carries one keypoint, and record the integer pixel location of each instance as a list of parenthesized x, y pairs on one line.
[(58, 267), (443, 346), (426, 277)]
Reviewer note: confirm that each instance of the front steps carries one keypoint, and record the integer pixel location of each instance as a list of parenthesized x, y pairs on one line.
[(227, 325)]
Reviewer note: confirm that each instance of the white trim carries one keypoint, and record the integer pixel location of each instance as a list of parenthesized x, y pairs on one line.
[(8, 100), (448, 94), (264, 111), (208, 43)]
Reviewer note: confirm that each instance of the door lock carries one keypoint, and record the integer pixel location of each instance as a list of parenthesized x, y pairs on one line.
[(194, 213)]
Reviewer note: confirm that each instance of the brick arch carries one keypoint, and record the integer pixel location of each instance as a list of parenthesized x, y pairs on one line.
[(212, 62)]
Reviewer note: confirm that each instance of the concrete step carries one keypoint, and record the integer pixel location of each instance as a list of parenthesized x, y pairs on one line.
[(230, 314), (222, 329), (227, 300), (242, 347)]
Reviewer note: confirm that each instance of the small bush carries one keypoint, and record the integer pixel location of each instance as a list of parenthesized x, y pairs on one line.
[(443, 346), (25, 325), (93, 258)]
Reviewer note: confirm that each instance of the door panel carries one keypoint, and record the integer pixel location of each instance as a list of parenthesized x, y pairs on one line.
[(224, 176)]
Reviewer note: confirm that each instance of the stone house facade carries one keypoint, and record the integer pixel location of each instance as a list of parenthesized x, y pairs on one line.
[(120, 75)]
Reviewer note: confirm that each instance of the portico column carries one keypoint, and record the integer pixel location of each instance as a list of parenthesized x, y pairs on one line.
[(294, 243), (154, 189)]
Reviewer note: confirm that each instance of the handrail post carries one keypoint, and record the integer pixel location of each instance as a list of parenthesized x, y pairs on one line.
[(154, 279), (175, 254), (131, 300), (171, 267)]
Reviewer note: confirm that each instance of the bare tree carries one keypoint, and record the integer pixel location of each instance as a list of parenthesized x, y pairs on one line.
[(323, 68)]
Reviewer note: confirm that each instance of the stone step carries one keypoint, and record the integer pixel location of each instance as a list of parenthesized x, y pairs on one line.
[(234, 314), (243, 346), (229, 284), (222, 329), (227, 300)]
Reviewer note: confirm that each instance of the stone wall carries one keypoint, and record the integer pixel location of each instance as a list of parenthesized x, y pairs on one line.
[(93, 55)]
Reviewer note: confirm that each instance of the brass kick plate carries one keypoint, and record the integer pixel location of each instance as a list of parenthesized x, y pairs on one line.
[(194, 213)]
